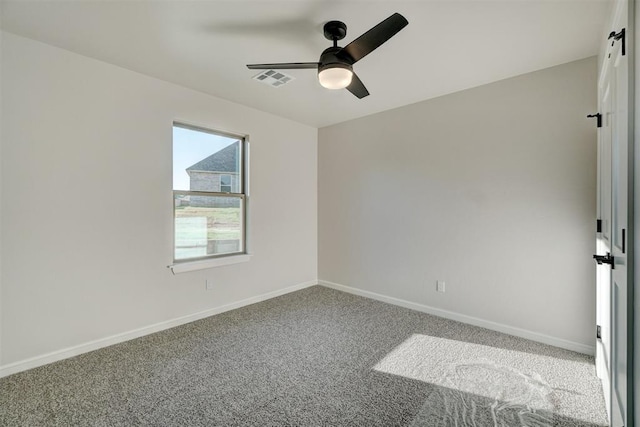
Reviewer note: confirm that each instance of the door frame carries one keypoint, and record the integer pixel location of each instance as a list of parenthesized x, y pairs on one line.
[(634, 206)]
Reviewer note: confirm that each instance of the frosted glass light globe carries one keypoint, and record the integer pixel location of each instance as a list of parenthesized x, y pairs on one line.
[(335, 78)]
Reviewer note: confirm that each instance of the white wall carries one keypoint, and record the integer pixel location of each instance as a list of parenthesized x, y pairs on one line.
[(635, 20), (87, 202), (1, 41), (491, 189)]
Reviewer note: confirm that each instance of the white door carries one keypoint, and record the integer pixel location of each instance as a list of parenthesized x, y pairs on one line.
[(603, 247), (612, 316)]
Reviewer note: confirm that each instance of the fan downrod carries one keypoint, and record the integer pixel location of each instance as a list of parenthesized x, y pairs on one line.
[(335, 30)]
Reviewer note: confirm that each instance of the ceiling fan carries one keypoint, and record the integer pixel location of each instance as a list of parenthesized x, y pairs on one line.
[(335, 67)]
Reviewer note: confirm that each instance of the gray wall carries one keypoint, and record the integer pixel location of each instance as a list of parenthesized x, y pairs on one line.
[(210, 181), (491, 189)]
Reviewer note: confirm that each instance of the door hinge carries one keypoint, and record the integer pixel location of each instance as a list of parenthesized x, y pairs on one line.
[(598, 116), (619, 36), (598, 226), (598, 332)]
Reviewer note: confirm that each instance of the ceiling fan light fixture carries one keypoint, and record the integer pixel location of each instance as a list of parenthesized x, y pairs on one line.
[(335, 66), (335, 77)]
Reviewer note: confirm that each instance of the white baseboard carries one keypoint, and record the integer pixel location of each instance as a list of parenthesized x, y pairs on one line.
[(54, 356), (510, 330), (66, 353)]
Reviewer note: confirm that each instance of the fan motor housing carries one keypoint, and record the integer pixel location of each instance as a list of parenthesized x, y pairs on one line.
[(331, 58)]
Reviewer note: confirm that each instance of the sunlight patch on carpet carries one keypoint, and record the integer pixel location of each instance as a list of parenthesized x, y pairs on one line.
[(477, 384)]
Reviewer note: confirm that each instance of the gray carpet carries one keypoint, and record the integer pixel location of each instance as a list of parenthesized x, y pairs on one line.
[(316, 357)]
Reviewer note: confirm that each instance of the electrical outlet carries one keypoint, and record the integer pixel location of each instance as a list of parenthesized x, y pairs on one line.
[(440, 286), (208, 284)]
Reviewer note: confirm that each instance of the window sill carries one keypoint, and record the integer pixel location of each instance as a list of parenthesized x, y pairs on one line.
[(184, 267)]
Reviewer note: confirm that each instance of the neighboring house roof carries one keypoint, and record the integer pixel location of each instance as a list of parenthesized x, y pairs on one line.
[(225, 160)]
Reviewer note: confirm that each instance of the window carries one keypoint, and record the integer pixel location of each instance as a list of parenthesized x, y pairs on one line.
[(225, 183), (209, 200)]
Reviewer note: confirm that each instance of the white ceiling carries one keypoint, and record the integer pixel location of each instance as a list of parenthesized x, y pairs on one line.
[(204, 45)]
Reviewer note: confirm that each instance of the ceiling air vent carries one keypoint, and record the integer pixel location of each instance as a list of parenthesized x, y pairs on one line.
[(273, 78)]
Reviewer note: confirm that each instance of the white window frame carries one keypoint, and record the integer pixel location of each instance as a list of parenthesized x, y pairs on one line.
[(216, 260)]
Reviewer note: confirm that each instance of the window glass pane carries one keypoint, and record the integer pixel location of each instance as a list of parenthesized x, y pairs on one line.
[(202, 160), (207, 225)]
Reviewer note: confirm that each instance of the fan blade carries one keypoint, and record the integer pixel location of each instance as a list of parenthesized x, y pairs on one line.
[(357, 87), (284, 66), (372, 39)]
